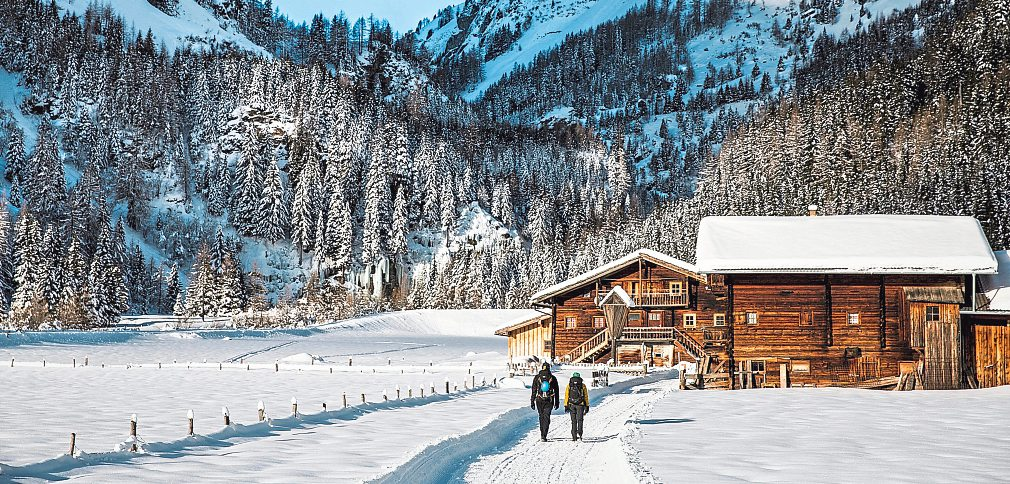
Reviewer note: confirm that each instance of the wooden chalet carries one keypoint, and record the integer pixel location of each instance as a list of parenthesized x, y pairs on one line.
[(643, 307), (866, 301), (846, 300)]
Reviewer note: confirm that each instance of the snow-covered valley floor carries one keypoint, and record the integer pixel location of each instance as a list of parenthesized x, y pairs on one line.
[(639, 429)]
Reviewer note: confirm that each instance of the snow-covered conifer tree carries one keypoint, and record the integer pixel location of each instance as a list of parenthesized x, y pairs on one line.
[(273, 215)]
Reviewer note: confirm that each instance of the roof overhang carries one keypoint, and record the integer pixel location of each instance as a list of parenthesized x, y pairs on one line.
[(658, 258), (523, 323)]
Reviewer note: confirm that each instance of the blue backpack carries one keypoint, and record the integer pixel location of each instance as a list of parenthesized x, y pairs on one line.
[(545, 390)]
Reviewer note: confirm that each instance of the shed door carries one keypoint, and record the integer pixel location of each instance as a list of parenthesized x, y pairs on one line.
[(941, 347)]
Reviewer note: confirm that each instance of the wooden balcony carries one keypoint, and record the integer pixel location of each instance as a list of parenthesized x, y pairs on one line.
[(655, 299), (661, 299)]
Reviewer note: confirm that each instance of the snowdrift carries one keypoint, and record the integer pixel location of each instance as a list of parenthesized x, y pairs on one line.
[(448, 322)]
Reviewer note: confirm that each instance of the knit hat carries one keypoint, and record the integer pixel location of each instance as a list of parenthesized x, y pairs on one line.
[(576, 375)]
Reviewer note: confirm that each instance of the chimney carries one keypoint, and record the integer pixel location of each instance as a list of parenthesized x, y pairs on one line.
[(812, 210)]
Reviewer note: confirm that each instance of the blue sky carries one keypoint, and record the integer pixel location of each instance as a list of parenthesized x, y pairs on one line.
[(403, 15)]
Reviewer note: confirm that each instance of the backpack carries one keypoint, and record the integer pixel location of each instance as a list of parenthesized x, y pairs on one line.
[(575, 394), (544, 390)]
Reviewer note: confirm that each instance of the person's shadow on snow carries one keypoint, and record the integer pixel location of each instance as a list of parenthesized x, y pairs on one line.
[(661, 421)]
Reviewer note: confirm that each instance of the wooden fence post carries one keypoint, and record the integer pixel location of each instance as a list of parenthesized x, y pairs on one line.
[(85, 361), (432, 388), (261, 411), (398, 392), (277, 367), (410, 392), (220, 366), (385, 398), (362, 398), (227, 416), (294, 407), (189, 417), (74, 363), (73, 443), (345, 399), (350, 361), (324, 407), (422, 392), (446, 386), (473, 381), (12, 362), (133, 432)]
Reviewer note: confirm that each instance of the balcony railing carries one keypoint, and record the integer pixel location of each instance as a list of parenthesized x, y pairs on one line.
[(661, 299), (655, 299)]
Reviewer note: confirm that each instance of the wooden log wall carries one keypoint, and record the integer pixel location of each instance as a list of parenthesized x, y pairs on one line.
[(805, 318)]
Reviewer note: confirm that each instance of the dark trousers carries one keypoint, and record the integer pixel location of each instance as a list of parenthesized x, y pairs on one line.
[(578, 413), (544, 409)]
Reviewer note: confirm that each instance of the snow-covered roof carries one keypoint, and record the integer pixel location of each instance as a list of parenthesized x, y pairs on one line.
[(878, 244), (997, 286), (587, 277), (618, 292), (528, 318)]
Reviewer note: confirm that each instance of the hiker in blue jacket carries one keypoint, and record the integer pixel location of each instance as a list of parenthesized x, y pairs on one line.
[(545, 394)]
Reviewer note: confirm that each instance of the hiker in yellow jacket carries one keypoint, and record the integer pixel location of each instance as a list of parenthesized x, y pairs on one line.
[(577, 403)]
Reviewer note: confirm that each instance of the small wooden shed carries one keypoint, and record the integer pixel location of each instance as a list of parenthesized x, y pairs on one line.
[(528, 337)]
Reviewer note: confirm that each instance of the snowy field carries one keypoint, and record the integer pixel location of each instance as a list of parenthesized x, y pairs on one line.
[(204, 371), (640, 429), (827, 435)]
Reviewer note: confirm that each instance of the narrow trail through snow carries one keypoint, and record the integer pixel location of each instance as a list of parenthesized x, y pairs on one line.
[(601, 452)]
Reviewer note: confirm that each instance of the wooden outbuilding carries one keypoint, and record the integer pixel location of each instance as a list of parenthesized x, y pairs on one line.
[(528, 338), (987, 329)]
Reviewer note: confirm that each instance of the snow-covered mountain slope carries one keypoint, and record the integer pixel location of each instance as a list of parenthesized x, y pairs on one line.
[(524, 29), (191, 25)]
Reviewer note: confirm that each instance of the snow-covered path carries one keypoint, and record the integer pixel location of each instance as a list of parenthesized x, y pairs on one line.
[(600, 453)]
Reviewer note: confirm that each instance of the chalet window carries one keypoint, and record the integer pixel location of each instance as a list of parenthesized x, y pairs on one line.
[(690, 321), (635, 317), (676, 288), (547, 345), (657, 317), (570, 322), (752, 317), (757, 366), (806, 317), (719, 320), (932, 313), (599, 322), (853, 318), (717, 281)]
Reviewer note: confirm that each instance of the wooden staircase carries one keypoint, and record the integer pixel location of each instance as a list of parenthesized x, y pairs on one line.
[(590, 349)]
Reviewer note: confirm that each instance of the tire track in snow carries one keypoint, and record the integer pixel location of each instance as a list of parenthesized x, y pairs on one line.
[(258, 352), (601, 453)]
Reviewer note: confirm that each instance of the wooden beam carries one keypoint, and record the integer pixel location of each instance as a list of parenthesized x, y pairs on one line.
[(883, 314), (827, 310), (554, 328), (731, 329)]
